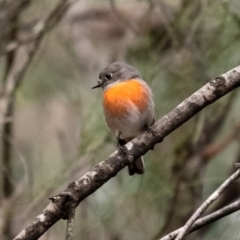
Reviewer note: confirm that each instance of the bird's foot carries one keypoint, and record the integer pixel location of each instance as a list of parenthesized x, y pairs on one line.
[(122, 149), (121, 142), (150, 130)]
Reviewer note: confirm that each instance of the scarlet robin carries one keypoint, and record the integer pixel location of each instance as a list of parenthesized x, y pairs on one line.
[(128, 105)]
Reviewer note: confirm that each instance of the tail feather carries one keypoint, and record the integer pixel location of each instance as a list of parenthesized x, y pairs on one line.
[(137, 166)]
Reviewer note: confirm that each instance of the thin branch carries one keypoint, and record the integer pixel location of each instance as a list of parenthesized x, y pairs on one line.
[(202, 222), (231, 194), (7, 186), (207, 203), (70, 221), (14, 78), (108, 168), (12, 8), (14, 73)]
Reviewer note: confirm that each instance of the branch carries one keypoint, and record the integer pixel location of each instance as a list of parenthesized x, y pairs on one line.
[(206, 204), (17, 72), (12, 8), (188, 166), (70, 221), (213, 217), (76, 191)]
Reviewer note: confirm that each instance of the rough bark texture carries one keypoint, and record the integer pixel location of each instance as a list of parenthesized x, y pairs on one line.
[(76, 191)]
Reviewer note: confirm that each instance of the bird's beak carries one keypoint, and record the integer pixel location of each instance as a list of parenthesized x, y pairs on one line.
[(97, 86)]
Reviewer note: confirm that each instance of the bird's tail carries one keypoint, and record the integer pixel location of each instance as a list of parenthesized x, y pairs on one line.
[(137, 166)]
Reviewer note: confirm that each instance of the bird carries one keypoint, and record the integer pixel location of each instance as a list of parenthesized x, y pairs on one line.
[(128, 106)]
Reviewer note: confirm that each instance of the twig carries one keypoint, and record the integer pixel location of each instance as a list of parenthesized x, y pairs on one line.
[(108, 168), (207, 203), (7, 185), (12, 8), (194, 157), (70, 221), (223, 212), (14, 73), (15, 76)]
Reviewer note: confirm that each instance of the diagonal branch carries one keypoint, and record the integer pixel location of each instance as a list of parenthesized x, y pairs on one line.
[(10, 9), (76, 191), (206, 204), (17, 72), (223, 212), (17, 62)]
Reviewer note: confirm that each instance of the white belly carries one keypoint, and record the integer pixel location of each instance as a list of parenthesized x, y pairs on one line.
[(132, 124)]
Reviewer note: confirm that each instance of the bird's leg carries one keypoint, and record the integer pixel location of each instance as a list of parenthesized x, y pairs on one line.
[(150, 130), (121, 143)]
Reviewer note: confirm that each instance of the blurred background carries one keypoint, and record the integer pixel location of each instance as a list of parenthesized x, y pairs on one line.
[(55, 131)]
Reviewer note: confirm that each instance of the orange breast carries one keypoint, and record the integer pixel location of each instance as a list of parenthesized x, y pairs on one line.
[(117, 98)]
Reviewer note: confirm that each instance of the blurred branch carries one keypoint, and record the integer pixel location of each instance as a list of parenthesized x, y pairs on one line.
[(214, 149), (9, 22), (61, 204), (12, 8), (7, 130), (202, 222), (122, 19), (70, 221), (207, 203), (14, 45), (14, 71), (191, 158), (14, 77), (221, 116), (40, 28)]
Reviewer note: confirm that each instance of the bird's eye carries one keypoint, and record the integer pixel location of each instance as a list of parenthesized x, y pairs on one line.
[(108, 76)]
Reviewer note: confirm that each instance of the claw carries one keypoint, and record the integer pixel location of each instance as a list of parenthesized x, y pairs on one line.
[(122, 149), (121, 142), (150, 130)]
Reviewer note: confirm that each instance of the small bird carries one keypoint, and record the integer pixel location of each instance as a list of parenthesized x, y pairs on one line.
[(128, 106)]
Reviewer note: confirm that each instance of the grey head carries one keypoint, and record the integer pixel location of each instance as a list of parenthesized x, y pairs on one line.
[(116, 72)]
